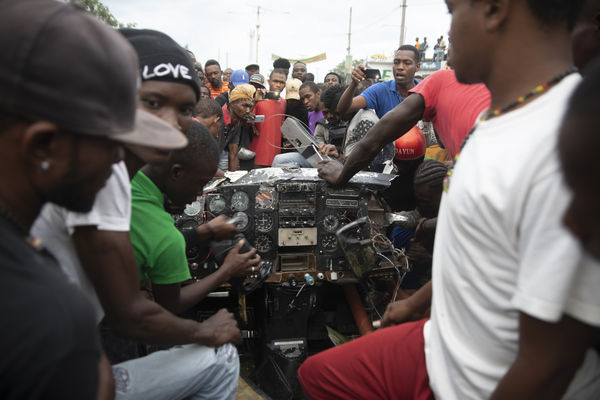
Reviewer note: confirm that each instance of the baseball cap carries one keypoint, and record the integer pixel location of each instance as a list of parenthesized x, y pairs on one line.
[(161, 58), (411, 145), (61, 64), (257, 80), (151, 131), (252, 66), (292, 89), (245, 91), (238, 77)]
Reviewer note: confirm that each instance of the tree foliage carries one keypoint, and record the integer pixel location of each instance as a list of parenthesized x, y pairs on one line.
[(102, 12), (340, 69)]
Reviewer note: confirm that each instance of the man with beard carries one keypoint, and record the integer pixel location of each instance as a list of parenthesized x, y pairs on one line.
[(58, 130), (241, 103), (510, 316), (213, 78), (299, 71), (96, 254), (383, 96)]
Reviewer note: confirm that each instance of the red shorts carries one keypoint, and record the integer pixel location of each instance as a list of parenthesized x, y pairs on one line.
[(386, 364)]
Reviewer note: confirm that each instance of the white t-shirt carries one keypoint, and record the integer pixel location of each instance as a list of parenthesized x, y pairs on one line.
[(111, 212), (501, 249)]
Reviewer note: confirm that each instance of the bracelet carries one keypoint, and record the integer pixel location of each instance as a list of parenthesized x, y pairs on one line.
[(420, 225), (211, 230)]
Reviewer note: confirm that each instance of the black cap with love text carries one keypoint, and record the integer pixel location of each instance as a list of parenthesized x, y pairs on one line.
[(161, 58)]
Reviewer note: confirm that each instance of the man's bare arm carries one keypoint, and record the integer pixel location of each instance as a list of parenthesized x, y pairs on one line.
[(106, 382), (233, 157), (549, 355), (108, 259), (410, 309), (349, 103), (178, 299), (393, 125)]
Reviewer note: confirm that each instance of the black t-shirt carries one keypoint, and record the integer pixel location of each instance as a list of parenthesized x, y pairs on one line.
[(222, 99), (49, 347), (229, 134)]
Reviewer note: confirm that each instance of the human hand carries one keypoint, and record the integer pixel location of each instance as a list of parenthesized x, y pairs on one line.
[(418, 254), (330, 171), (219, 329), (238, 265), (400, 311), (221, 228), (358, 74), (329, 150)]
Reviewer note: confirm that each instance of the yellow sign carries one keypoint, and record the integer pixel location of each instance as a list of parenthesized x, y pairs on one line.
[(318, 57)]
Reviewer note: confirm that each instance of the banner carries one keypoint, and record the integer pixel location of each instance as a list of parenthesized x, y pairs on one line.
[(318, 57)]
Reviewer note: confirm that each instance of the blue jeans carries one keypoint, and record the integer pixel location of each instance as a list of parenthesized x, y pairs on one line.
[(181, 372), (290, 160)]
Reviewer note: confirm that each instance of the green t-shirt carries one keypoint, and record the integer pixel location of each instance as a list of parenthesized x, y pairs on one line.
[(158, 246)]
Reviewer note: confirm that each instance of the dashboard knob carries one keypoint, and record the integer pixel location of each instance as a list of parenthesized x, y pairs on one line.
[(310, 281)]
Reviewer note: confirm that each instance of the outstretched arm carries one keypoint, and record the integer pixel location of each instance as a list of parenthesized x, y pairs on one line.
[(108, 259), (393, 125), (349, 103), (178, 299), (410, 309)]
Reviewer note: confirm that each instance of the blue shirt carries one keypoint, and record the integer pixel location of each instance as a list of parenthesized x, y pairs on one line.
[(383, 96)]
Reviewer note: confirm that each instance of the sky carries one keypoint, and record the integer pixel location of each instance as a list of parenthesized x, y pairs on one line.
[(226, 31)]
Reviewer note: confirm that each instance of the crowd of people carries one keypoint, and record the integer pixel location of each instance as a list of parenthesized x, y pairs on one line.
[(105, 133)]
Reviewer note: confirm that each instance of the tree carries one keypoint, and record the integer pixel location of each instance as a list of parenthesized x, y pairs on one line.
[(340, 69), (102, 12)]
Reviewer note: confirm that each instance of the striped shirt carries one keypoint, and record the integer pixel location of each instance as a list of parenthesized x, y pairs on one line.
[(215, 92)]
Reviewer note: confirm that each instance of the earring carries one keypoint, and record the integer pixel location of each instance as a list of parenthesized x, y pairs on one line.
[(45, 165)]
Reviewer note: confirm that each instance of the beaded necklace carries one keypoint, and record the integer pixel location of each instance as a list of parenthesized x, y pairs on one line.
[(20, 228), (499, 111)]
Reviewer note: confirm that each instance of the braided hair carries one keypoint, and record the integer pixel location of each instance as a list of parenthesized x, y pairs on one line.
[(431, 173)]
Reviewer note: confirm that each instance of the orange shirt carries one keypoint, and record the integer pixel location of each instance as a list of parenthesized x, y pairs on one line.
[(215, 92)]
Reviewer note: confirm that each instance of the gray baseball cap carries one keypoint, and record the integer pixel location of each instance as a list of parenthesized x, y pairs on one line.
[(59, 63)]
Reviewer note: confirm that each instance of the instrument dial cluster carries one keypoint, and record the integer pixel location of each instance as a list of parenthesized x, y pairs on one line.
[(265, 198), (263, 243), (264, 222), (239, 201)]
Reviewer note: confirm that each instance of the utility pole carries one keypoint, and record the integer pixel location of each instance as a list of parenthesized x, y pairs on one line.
[(251, 44), (257, 32), (349, 31), (403, 21), (348, 62)]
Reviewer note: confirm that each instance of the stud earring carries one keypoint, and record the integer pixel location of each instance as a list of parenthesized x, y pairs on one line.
[(45, 165)]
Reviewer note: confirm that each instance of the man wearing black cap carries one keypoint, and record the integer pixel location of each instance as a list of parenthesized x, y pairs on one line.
[(57, 132), (96, 246), (252, 69), (213, 78)]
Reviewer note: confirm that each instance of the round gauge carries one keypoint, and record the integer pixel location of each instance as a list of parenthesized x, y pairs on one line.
[(331, 223), (265, 198), (193, 209), (216, 205), (239, 201), (263, 243), (329, 242), (264, 222), (241, 220)]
